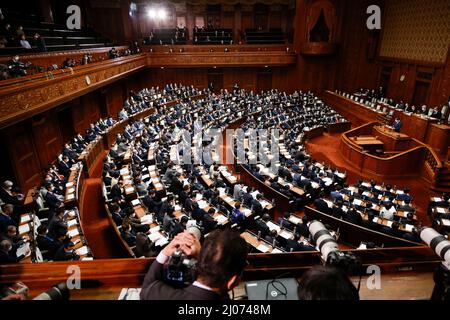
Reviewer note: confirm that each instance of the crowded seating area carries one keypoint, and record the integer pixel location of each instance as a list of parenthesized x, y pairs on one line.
[(377, 207), (224, 150), (376, 100), (23, 33), (151, 197)]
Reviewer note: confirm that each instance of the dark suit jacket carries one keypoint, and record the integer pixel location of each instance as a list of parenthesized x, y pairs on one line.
[(6, 258), (51, 199), (257, 207), (154, 288)]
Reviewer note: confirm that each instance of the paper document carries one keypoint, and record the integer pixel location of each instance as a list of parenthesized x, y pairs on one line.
[(82, 251), (25, 228), (23, 250), (25, 218), (263, 248), (73, 233), (130, 294), (220, 219)]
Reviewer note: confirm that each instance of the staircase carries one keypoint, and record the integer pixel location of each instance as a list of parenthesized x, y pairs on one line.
[(442, 181)]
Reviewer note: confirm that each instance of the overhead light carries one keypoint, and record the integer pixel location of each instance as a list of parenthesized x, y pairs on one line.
[(162, 67), (151, 13), (162, 14)]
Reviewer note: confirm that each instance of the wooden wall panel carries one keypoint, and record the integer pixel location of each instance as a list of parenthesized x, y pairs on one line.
[(23, 155), (47, 136), (114, 98), (245, 78), (354, 68), (275, 19), (247, 20)]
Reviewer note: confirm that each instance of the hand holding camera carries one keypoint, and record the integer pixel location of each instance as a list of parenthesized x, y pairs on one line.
[(185, 242)]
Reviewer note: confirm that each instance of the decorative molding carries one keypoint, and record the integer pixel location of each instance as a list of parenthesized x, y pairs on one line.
[(221, 59), (21, 102), (28, 96)]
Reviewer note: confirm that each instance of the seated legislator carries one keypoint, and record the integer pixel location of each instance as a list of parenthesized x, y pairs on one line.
[(221, 262)]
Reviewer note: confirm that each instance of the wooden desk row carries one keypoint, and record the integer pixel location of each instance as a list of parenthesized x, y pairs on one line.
[(423, 129), (74, 185)]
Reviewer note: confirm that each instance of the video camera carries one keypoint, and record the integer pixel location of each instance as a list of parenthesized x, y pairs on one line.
[(329, 249), (441, 246), (180, 270)]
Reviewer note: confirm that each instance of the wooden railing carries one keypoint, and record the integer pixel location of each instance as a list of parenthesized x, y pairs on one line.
[(352, 234), (114, 274), (407, 163), (222, 59), (186, 48), (22, 100), (47, 59)]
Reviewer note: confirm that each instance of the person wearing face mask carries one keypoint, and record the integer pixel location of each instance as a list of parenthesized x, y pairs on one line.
[(51, 199)]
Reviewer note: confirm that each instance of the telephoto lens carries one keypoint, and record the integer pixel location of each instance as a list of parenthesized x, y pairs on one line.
[(323, 239), (438, 243), (57, 292)]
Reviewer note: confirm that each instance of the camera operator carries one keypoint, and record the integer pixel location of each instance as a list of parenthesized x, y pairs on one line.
[(326, 283), (221, 262)]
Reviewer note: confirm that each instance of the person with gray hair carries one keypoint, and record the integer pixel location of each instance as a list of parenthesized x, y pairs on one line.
[(5, 256), (8, 195)]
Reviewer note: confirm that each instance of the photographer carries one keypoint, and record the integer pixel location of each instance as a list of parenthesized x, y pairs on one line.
[(221, 261), (326, 283)]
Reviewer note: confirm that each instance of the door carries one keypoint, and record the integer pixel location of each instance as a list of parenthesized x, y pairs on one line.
[(215, 80), (421, 90), (264, 81)]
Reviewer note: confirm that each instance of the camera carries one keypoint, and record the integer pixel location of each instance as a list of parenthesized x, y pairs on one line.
[(180, 270), (57, 292), (441, 246), (329, 249)]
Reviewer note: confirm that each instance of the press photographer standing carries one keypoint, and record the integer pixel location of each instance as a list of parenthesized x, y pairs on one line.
[(221, 262)]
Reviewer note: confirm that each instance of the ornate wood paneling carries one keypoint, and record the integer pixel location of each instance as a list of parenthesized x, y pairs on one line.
[(47, 136), (23, 154), (20, 102), (221, 59), (58, 57)]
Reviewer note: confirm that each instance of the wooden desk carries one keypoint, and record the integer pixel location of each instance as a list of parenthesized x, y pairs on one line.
[(260, 245), (370, 144), (74, 186), (393, 141), (29, 201), (414, 125), (438, 137), (91, 153)]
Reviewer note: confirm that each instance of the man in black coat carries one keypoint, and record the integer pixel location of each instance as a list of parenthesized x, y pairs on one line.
[(261, 225), (256, 205), (221, 261), (5, 256)]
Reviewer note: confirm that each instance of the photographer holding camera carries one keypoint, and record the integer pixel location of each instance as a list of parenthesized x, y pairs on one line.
[(221, 262)]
